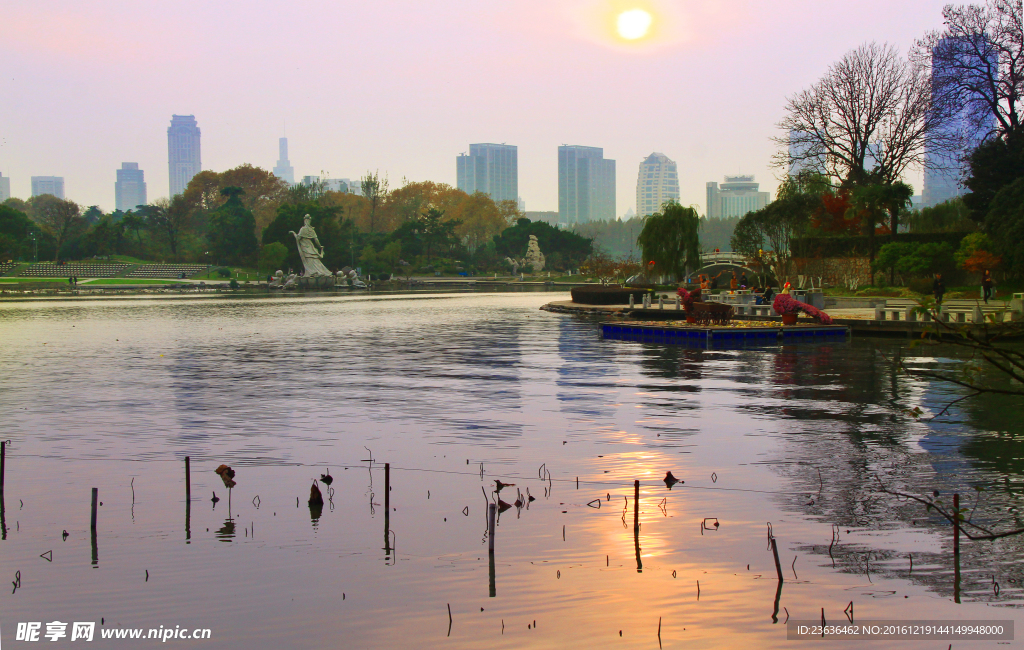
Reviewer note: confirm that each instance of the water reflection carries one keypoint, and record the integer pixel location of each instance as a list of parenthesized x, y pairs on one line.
[(799, 435)]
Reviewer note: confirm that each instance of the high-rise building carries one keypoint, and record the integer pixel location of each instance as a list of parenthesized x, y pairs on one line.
[(657, 183), (737, 196), (944, 167), (284, 170), (586, 185), (130, 188), (489, 168), (5, 188), (343, 185), (48, 185), (183, 156)]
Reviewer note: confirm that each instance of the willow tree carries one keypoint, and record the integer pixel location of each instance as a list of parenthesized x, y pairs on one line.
[(671, 241)]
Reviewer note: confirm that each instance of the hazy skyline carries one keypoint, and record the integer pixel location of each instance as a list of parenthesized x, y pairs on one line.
[(403, 87)]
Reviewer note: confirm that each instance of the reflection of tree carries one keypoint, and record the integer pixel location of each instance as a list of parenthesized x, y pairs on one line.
[(860, 442)]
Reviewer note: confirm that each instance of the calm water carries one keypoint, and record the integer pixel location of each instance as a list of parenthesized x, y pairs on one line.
[(455, 391)]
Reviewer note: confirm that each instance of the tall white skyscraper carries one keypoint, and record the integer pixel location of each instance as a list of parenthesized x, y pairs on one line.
[(48, 185), (183, 155), (284, 170), (489, 168), (130, 188), (5, 188), (657, 183), (586, 185), (737, 196)]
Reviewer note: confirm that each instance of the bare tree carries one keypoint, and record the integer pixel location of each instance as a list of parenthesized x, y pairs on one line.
[(59, 217), (867, 119), (375, 190), (977, 65)]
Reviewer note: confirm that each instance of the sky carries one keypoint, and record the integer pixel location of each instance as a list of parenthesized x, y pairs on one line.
[(403, 87)]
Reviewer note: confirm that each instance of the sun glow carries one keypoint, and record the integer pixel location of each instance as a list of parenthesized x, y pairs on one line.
[(633, 24)]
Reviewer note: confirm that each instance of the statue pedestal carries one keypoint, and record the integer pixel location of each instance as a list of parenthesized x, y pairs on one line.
[(316, 284)]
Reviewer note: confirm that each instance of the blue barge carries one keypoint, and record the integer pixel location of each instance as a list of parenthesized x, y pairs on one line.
[(721, 336)]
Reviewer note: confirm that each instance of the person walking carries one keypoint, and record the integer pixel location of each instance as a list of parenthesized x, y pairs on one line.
[(938, 288), (986, 285)]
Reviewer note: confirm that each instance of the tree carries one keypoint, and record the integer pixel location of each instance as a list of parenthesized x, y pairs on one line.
[(16, 234), (877, 203), (571, 248), (480, 219), (670, 239), (59, 217), (948, 216), (132, 222), (767, 234), (272, 256), (869, 117), (993, 165), (977, 65), (232, 230), (1005, 225), (391, 255), (168, 220), (375, 190), (105, 238)]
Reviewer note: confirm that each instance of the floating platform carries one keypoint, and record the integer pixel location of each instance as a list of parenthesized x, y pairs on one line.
[(721, 335)]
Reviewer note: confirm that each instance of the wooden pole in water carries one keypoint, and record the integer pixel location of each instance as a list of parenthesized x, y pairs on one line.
[(636, 525), (188, 499), (775, 552), (956, 523), (387, 510), (491, 510), (95, 502)]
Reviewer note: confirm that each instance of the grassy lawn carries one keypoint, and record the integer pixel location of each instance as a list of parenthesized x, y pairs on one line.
[(239, 274)]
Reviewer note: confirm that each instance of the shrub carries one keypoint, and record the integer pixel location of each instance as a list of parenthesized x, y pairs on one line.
[(233, 284), (223, 272)]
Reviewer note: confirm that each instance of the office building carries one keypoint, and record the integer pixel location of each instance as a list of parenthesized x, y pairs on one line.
[(183, 152), (656, 184), (737, 196), (343, 185), (586, 185), (48, 185), (5, 188), (944, 166), (489, 168), (283, 169), (130, 188)]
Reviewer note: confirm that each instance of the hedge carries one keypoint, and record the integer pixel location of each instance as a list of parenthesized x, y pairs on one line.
[(859, 245), (607, 295)]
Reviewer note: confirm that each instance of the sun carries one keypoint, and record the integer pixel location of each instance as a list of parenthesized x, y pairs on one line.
[(633, 24)]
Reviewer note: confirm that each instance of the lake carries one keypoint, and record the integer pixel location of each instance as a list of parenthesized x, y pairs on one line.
[(454, 392)]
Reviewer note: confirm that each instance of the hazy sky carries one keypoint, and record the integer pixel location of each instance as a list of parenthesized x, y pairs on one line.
[(404, 86)]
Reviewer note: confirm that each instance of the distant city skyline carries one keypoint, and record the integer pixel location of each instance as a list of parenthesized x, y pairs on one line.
[(737, 196), (130, 187), (569, 84), (657, 182), (184, 152), (53, 185), (283, 169), (489, 168), (586, 185), (5, 188)]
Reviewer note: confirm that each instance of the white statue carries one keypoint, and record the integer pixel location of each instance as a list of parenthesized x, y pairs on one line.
[(278, 280), (308, 244), (534, 258)]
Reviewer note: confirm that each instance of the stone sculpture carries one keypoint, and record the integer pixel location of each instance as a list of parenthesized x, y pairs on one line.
[(534, 258), (310, 250)]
